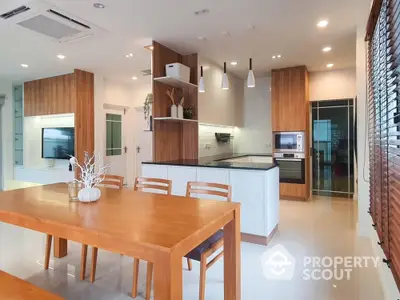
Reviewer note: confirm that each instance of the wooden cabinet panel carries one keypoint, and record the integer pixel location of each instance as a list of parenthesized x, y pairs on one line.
[(173, 140), (289, 100), (291, 112), (83, 88), (49, 96)]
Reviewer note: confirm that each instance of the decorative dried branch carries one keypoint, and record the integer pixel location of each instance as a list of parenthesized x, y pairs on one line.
[(92, 171), (170, 94)]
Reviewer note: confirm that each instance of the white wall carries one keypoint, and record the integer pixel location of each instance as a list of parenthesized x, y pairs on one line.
[(208, 145), (332, 85), (217, 106), (119, 95), (33, 140), (7, 131), (256, 134)]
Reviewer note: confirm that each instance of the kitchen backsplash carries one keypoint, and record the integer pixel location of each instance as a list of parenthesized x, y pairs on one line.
[(208, 144)]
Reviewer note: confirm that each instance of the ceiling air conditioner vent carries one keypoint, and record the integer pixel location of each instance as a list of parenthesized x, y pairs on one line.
[(14, 12), (49, 21), (67, 18)]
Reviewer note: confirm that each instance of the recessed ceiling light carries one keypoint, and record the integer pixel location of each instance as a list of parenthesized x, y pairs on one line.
[(273, 57), (234, 63), (279, 56), (98, 5), (276, 56), (129, 55), (326, 49), (322, 23), (329, 65), (24, 65), (134, 78), (60, 56)]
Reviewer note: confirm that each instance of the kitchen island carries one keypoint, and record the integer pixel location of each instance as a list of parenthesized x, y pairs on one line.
[(254, 180)]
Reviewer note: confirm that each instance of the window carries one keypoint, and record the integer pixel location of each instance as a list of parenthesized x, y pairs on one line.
[(114, 134), (384, 126)]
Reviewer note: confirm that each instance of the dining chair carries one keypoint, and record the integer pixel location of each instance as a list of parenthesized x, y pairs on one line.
[(214, 243), (152, 185), (111, 181)]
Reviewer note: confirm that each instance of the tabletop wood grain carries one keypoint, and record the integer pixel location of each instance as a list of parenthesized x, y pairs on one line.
[(13, 288), (153, 227)]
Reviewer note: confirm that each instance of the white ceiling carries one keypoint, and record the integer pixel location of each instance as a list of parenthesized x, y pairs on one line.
[(286, 27)]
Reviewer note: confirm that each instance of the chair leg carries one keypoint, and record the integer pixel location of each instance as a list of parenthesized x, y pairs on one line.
[(83, 261), (94, 264), (189, 263), (48, 251), (203, 269), (135, 277), (149, 278)]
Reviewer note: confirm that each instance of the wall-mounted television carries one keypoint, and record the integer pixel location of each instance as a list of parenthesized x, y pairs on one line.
[(58, 143)]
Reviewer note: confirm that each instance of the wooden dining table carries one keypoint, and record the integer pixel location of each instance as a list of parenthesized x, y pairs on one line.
[(153, 227)]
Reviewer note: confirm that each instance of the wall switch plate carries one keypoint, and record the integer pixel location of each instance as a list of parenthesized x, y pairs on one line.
[(207, 146)]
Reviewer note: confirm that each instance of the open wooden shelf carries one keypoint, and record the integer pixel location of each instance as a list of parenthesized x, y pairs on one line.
[(174, 119), (172, 81)]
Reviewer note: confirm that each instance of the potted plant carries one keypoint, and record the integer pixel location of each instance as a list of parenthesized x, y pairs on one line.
[(147, 106)]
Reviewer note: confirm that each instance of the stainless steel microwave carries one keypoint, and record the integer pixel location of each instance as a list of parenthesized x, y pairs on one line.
[(289, 141)]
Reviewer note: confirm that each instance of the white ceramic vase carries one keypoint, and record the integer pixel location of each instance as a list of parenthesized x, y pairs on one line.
[(174, 111), (89, 195), (180, 112)]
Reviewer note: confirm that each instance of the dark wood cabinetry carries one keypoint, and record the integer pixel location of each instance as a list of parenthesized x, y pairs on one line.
[(291, 112), (290, 99), (173, 139), (55, 95)]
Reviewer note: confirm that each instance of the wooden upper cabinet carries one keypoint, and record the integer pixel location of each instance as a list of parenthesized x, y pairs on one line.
[(55, 95), (290, 106)]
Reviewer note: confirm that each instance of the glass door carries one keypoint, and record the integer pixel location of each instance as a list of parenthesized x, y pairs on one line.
[(333, 148)]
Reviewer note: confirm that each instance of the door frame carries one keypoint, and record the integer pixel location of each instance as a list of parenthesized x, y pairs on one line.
[(353, 134), (117, 109)]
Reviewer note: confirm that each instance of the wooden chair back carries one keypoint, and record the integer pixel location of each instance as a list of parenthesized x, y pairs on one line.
[(205, 188), (113, 181), (161, 185)]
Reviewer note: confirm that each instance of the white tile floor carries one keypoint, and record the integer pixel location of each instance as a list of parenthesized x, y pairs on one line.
[(321, 227)]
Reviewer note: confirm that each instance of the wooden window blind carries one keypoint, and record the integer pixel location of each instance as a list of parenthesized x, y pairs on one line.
[(383, 73)]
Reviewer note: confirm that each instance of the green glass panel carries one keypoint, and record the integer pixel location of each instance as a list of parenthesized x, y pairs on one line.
[(108, 152), (116, 135), (113, 117), (109, 134)]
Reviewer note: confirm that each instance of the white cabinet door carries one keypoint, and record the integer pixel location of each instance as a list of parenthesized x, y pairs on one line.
[(248, 189), (154, 171), (212, 175), (180, 177)]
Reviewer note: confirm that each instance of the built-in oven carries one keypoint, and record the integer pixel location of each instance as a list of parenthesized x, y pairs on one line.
[(289, 141), (291, 167)]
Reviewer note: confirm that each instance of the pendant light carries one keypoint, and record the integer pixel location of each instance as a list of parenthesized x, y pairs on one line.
[(202, 88), (225, 81), (251, 81)]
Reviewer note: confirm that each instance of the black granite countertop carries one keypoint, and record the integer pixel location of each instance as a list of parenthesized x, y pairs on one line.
[(218, 162)]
